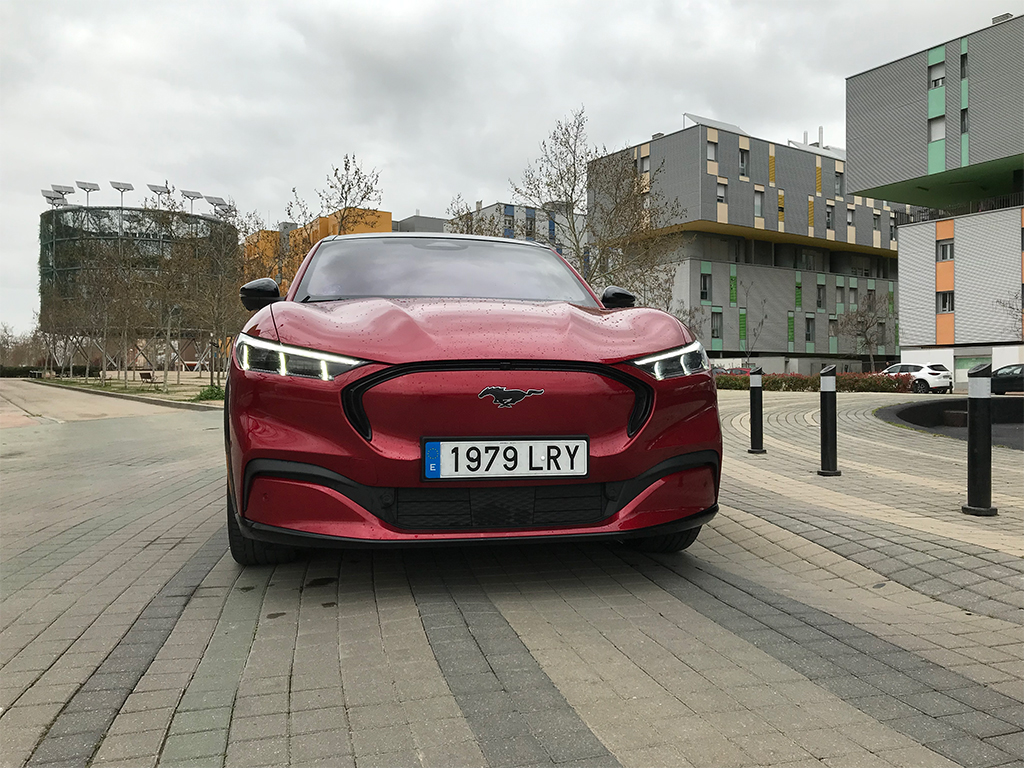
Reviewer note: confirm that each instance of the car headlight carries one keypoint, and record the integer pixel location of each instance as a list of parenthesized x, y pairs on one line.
[(682, 361), (256, 354)]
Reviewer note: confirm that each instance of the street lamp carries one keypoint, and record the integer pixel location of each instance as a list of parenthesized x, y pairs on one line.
[(87, 187), (192, 197), (159, 189)]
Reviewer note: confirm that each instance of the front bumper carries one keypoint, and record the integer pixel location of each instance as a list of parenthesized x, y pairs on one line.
[(305, 505)]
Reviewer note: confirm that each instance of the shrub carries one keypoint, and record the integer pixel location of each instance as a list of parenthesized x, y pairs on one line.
[(211, 392), (798, 382)]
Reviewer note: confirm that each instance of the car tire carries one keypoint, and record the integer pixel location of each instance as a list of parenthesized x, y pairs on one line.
[(252, 552), (920, 387), (666, 543)]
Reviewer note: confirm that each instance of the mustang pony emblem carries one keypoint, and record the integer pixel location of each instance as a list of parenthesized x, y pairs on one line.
[(506, 398)]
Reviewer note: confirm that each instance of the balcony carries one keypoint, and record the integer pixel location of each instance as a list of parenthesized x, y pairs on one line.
[(1014, 200)]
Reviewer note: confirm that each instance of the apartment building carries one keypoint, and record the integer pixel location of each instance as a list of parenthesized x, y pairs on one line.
[(942, 128), (773, 249)]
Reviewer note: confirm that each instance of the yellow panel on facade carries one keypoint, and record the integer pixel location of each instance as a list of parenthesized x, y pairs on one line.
[(817, 177), (944, 328), (892, 245), (712, 134), (830, 234), (876, 239), (723, 213), (869, 202), (840, 166), (771, 168), (744, 142), (782, 226), (857, 200), (758, 222), (712, 167), (645, 150), (759, 187), (851, 235), (810, 212)]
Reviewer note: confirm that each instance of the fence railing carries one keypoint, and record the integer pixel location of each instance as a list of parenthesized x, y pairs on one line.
[(1012, 200)]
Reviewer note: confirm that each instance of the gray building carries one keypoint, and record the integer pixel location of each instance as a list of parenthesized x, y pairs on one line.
[(942, 128), (773, 249)]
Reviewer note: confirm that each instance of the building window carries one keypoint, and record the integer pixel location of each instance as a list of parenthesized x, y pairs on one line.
[(821, 297), (943, 302), (963, 120), (944, 250), (937, 128), (830, 215), (876, 222), (645, 164), (937, 75), (758, 203), (716, 325), (531, 228), (839, 184), (849, 217), (551, 227), (510, 222), (713, 151), (782, 206), (721, 192), (705, 287), (744, 162), (840, 295), (809, 329), (853, 296), (833, 327), (963, 66)]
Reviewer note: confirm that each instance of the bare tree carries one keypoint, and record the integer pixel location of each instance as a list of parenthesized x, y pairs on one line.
[(693, 317), (7, 342), (1013, 309), (754, 330), (870, 326), (608, 212), (464, 220)]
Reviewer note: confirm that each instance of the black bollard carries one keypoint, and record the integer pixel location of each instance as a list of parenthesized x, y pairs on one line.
[(756, 418), (979, 442), (828, 422)]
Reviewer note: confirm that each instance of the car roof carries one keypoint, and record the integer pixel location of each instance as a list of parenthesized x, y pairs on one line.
[(437, 236)]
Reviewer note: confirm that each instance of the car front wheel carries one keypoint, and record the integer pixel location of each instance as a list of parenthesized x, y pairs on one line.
[(666, 543), (920, 386), (252, 552)]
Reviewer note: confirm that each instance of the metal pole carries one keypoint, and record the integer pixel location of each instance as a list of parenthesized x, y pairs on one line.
[(756, 418), (828, 423), (979, 442)]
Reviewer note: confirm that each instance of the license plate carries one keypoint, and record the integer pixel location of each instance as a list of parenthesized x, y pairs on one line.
[(472, 459)]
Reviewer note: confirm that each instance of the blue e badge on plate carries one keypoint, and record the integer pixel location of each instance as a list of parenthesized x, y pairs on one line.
[(432, 460)]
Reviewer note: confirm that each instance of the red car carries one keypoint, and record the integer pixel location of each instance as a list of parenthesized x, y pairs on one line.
[(425, 388)]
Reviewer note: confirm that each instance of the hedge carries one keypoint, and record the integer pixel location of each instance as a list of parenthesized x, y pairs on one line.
[(798, 382)]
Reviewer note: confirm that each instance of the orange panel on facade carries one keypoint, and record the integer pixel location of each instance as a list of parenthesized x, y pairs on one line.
[(944, 229), (944, 275), (944, 328)]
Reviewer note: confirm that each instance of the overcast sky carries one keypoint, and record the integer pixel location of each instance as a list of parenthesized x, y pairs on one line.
[(246, 99)]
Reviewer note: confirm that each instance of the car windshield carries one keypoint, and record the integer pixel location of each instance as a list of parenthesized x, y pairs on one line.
[(938, 367), (423, 267)]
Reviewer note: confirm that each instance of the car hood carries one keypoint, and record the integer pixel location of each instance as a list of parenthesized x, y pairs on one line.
[(407, 330)]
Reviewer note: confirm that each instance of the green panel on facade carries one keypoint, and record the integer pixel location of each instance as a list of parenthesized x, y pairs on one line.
[(871, 284), (935, 55), (821, 279), (937, 156), (853, 307), (880, 350), (790, 331), (732, 288), (810, 346), (840, 308), (840, 280), (799, 296), (963, 94), (853, 282), (792, 347), (963, 45), (892, 299), (705, 267), (937, 101), (732, 269), (743, 325), (964, 154), (833, 345), (716, 345)]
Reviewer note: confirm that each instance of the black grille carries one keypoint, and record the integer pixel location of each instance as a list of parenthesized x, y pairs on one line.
[(431, 509)]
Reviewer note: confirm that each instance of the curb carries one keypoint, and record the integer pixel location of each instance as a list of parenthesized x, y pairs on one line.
[(137, 398)]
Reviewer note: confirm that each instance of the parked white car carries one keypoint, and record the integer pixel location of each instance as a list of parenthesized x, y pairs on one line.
[(930, 377)]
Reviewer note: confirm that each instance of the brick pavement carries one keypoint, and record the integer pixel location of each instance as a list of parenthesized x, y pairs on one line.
[(859, 620)]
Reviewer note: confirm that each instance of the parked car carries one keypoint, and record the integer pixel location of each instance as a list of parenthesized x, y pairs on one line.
[(927, 378), (739, 371), (428, 388), (1009, 378)]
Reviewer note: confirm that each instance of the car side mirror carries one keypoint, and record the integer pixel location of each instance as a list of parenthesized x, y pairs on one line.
[(616, 298), (256, 294)]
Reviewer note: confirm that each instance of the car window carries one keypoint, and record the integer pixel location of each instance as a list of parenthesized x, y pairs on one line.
[(938, 367), (892, 369), (911, 368), (413, 267), (1009, 370)]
